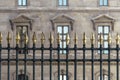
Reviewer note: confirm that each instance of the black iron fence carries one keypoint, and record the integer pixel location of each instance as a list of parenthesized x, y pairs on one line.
[(60, 75)]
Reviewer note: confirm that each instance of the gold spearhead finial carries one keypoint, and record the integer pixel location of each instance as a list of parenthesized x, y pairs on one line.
[(58, 38), (0, 37), (17, 38), (117, 39), (51, 39), (92, 38), (109, 39), (67, 39), (42, 38), (84, 38), (101, 39), (8, 37), (34, 39), (26, 38), (75, 39)]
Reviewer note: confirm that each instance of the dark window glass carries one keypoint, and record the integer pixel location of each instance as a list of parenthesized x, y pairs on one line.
[(22, 77)]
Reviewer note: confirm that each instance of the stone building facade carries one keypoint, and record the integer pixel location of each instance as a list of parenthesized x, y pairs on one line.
[(63, 16)]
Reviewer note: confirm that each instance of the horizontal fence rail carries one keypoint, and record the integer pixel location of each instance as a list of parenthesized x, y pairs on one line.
[(78, 71)]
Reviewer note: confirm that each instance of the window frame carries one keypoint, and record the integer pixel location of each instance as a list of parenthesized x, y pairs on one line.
[(103, 34), (63, 75), (21, 44), (63, 40), (103, 3), (103, 77), (62, 3), (22, 3)]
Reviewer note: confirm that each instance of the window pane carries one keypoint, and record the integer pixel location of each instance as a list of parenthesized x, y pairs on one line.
[(98, 47), (105, 37), (105, 52), (105, 2), (64, 44), (64, 77), (105, 44), (64, 2), (105, 77), (100, 29), (24, 2), (65, 29), (64, 37), (60, 44), (19, 2), (59, 30), (101, 2), (60, 77), (106, 29), (64, 52), (60, 2), (61, 37), (24, 30)]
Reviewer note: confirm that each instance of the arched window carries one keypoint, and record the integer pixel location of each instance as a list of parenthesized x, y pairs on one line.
[(104, 74), (104, 77), (62, 75), (22, 76)]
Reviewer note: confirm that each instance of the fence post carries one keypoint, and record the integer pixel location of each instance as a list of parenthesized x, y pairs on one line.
[(34, 39), (42, 51)]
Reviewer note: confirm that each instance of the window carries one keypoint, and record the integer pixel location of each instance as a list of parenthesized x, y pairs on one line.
[(23, 30), (63, 77), (22, 77), (63, 30), (104, 30), (103, 2), (62, 2), (22, 2), (23, 25), (104, 77)]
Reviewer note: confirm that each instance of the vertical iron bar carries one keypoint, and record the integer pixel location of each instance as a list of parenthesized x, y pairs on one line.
[(75, 62), (117, 68), (25, 61), (100, 61), (67, 52), (84, 61), (0, 59), (58, 61), (42, 51), (50, 61), (109, 62), (34, 61), (17, 52), (92, 51), (8, 48)]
